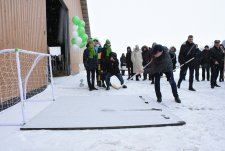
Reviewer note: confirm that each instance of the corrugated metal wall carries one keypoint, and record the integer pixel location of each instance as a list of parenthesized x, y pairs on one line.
[(23, 24)]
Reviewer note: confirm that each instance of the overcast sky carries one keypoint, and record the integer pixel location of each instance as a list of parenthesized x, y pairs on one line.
[(168, 22)]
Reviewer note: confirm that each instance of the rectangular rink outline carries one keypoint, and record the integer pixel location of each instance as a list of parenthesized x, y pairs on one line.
[(102, 112)]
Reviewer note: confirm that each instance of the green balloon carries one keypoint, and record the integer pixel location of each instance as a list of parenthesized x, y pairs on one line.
[(76, 20), (73, 41), (80, 30), (82, 23), (82, 44), (84, 37)]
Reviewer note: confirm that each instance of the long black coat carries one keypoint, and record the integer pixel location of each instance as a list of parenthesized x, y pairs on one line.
[(173, 57), (104, 59), (145, 56), (216, 54), (198, 58), (205, 57), (89, 64), (187, 52), (129, 63), (161, 64), (123, 60)]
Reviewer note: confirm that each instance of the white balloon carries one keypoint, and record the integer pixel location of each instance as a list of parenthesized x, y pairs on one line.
[(75, 34), (76, 48), (78, 41), (75, 27)]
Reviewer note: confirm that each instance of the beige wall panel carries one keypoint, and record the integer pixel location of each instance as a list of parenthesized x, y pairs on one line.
[(23, 24)]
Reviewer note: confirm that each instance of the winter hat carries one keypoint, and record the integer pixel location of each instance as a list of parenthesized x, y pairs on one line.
[(217, 41), (113, 54), (157, 48), (107, 41), (206, 46), (90, 41)]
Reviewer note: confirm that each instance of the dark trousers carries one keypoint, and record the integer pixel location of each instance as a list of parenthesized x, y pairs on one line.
[(221, 71), (123, 72), (152, 77), (130, 71), (108, 76), (214, 74), (183, 72), (205, 68), (170, 78), (145, 75), (91, 78), (197, 72)]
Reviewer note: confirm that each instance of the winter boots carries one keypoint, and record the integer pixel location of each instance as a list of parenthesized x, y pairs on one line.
[(177, 99), (159, 100), (191, 89)]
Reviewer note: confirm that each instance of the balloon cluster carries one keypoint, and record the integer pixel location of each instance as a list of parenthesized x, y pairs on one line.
[(79, 38)]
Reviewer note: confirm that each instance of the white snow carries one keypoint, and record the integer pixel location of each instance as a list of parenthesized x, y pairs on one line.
[(203, 111), (83, 112)]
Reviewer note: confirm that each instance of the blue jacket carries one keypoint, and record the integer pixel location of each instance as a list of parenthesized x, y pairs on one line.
[(89, 64)]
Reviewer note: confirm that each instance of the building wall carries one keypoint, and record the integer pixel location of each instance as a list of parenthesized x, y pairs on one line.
[(23, 25)]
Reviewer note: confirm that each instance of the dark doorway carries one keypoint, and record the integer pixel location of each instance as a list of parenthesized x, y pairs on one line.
[(58, 35)]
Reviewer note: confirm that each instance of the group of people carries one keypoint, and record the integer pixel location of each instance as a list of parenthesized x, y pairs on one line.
[(153, 63), (138, 58), (190, 57), (103, 62)]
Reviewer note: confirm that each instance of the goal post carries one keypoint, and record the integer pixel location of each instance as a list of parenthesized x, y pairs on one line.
[(23, 74)]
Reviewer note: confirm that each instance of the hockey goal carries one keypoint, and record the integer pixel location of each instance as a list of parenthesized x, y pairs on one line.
[(23, 74)]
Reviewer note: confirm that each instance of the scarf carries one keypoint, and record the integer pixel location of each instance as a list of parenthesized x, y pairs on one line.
[(91, 52), (108, 51)]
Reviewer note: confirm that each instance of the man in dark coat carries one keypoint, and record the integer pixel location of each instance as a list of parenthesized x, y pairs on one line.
[(161, 63), (197, 62), (187, 52), (113, 69), (146, 58), (173, 56), (106, 50), (205, 63), (221, 77), (90, 63), (215, 62), (129, 63)]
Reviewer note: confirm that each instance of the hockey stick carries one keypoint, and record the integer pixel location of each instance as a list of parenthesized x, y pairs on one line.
[(185, 63), (118, 87)]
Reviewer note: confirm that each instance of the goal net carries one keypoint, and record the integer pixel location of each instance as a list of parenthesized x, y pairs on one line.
[(23, 74)]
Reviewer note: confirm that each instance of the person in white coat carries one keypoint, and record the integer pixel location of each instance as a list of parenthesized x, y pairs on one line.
[(136, 58)]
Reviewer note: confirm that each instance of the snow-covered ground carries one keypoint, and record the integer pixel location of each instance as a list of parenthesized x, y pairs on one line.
[(203, 111)]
